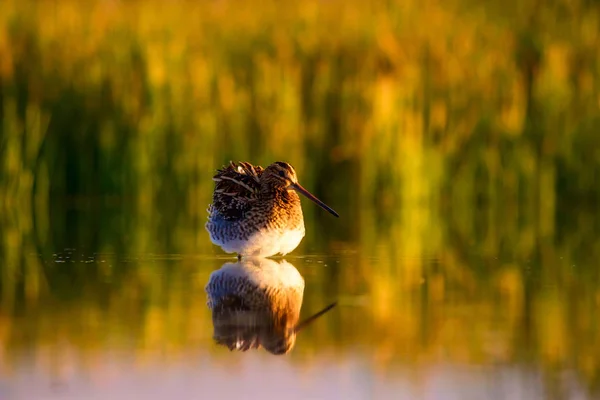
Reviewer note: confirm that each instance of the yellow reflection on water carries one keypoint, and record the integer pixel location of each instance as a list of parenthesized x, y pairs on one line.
[(410, 295)]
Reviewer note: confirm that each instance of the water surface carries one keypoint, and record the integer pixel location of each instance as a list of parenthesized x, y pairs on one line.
[(98, 319)]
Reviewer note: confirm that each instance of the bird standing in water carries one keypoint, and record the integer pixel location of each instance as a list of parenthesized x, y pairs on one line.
[(256, 212)]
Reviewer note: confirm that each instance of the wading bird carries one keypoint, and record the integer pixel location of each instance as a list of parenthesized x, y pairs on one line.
[(256, 212)]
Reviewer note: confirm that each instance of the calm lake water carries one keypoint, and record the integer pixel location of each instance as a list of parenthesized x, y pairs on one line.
[(87, 317)]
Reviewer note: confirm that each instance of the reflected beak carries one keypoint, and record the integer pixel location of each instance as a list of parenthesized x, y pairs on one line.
[(310, 319), (297, 187)]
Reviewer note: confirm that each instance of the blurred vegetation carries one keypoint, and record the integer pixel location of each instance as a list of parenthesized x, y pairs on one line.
[(495, 102), (458, 140)]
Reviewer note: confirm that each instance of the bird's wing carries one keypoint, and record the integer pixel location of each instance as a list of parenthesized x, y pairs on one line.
[(236, 188)]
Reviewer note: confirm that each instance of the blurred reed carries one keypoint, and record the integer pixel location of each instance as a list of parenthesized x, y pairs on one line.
[(397, 100)]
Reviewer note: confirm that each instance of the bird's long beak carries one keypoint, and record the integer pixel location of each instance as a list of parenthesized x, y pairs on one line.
[(310, 319), (297, 187)]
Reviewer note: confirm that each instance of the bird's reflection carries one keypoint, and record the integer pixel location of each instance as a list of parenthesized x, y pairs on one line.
[(256, 303)]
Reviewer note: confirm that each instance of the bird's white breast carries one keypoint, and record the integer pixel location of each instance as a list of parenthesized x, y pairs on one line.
[(264, 242)]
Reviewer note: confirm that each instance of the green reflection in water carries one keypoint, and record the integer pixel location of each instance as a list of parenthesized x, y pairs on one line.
[(415, 294)]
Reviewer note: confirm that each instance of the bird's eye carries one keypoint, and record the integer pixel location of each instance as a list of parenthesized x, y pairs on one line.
[(282, 174)]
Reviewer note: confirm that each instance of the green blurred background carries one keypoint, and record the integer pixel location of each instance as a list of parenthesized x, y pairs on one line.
[(459, 141)]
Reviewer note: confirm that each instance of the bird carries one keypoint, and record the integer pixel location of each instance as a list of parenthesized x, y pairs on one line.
[(256, 211), (256, 303)]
